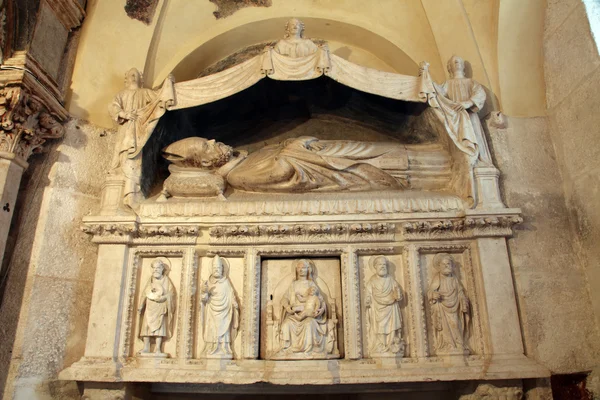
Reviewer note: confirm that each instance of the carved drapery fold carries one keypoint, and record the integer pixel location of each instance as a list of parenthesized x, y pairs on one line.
[(279, 67)]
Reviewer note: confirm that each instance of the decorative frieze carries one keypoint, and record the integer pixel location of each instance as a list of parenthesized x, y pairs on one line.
[(470, 226), (164, 230), (305, 233), (130, 231)]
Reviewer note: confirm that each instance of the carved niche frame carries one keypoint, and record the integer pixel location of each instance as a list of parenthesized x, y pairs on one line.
[(350, 282), (472, 280), (184, 311)]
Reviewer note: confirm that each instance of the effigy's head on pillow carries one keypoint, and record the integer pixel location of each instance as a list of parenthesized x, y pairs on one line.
[(197, 152)]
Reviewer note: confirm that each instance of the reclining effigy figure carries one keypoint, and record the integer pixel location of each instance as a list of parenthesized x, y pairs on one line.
[(202, 167)]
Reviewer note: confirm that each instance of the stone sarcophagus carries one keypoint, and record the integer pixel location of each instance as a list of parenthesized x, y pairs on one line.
[(303, 259)]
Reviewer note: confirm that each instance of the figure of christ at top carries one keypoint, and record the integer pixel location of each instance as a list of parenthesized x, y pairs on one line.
[(136, 111), (304, 164), (294, 44)]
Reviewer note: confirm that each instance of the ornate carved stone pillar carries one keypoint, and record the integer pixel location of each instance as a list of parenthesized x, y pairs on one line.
[(36, 57), (25, 124)]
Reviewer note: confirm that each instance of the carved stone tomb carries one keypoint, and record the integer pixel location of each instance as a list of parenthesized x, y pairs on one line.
[(273, 241)]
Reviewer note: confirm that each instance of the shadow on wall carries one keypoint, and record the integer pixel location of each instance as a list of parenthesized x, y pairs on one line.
[(570, 387)]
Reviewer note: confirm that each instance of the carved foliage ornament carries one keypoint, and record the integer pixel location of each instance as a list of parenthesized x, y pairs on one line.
[(25, 124), (142, 231), (481, 226), (307, 233)]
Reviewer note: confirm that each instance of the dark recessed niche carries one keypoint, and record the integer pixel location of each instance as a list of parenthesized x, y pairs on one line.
[(272, 111)]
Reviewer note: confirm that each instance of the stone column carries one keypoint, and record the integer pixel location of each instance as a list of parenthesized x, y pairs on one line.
[(11, 170), (103, 327), (25, 125)]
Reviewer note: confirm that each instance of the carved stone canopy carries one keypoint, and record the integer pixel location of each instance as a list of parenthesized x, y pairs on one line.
[(160, 117)]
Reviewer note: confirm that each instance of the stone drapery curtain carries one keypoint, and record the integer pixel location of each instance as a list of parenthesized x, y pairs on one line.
[(270, 64), (276, 66)]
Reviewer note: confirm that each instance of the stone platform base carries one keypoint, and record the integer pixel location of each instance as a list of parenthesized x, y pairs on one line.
[(310, 372)]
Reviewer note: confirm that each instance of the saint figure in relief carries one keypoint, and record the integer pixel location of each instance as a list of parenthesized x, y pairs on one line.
[(384, 320), (294, 44), (450, 308), (221, 311), (158, 307)]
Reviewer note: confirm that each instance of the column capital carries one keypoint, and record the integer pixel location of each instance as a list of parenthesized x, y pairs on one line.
[(25, 122)]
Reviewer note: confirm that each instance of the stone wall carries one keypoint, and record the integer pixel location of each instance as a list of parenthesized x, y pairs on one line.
[(572, 70), (46, 300), (549, 280)]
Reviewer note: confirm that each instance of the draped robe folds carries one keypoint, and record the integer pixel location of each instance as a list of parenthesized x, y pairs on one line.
[(302, 333), (451, 315), (128, 101), (148, 106), (465, 89), (158, 315), (384, 312), (309, 164), (221, 313), (296, 47)]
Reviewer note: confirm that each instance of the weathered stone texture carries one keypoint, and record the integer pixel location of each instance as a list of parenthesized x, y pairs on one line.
[(49, 41), (225, 8), (572, 72), (52, 267), (556, 13), (142, 10), (549, 280)]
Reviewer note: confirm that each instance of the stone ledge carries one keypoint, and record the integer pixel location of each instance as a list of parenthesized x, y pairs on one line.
[(321, 372), (298, 205)]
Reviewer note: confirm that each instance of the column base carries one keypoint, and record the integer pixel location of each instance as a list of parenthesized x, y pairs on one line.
[(488, 188)]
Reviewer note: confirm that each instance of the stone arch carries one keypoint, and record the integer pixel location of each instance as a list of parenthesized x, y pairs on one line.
[(346, 40)]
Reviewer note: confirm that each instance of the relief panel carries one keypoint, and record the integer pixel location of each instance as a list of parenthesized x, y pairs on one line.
[(450, 300), (154, 309), (384, 306), (301, 309), (220, 308)]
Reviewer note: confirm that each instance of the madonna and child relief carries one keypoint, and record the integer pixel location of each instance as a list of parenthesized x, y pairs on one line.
[(302, 299)]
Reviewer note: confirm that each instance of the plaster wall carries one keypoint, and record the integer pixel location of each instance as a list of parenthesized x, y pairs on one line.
[(572, 71), (520, 57)]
